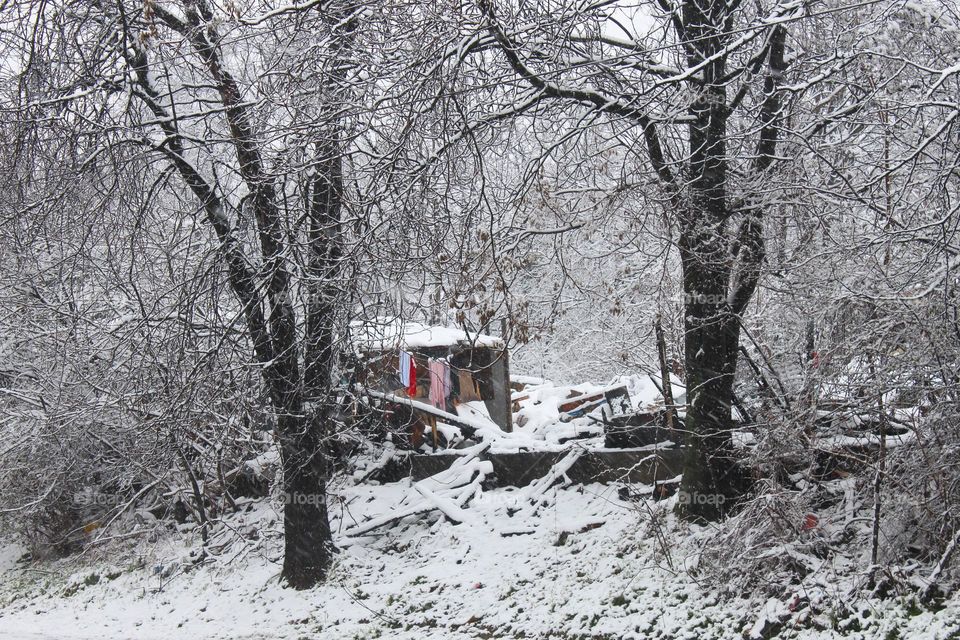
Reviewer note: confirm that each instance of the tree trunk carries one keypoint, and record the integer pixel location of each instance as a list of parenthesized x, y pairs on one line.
[(711, 481), (720, 273), (308, 540)]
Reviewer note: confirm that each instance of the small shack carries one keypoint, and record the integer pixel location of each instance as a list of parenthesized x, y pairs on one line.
[(456, 375)]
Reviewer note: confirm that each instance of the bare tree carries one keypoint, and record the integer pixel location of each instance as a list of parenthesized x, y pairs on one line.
[(698, 71), (182, 80)]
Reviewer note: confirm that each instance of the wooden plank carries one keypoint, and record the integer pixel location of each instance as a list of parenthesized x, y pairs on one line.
[(428, 409), (570, 405)]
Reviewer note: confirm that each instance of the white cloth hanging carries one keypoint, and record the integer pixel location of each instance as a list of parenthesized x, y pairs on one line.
[(404, 368)]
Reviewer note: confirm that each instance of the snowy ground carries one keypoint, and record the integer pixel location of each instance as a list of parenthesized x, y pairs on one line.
[(587, 565), (576, 562)]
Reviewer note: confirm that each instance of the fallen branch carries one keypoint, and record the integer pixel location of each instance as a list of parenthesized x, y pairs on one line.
[(944, 561), (444, 505), (448, 492), (535, 491)]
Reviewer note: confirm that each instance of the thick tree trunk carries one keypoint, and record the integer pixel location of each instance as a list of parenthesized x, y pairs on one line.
[(713, 294), (308, 541), (719, 276), (711, 481), (720, 272)]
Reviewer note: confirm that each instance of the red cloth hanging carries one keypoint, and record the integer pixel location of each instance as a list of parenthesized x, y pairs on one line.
[(412, 389)]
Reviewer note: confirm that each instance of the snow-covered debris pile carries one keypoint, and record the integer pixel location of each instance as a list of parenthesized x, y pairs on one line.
[(541, 407)]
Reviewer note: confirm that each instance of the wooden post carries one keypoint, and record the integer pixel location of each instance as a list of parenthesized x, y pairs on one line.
[(664, 372)]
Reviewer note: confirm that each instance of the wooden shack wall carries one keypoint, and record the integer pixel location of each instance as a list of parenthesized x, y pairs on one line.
[(500, 408)]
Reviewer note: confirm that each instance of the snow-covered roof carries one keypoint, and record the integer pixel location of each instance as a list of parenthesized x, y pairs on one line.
[(382, 335)]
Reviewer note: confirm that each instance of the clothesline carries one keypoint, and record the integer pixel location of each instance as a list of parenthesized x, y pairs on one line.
[(440, 380)]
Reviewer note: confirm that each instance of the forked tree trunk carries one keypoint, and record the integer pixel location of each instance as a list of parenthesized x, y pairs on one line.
[(720, 267), (720, 272), (710, 335), (309, 544), (277, 345)]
